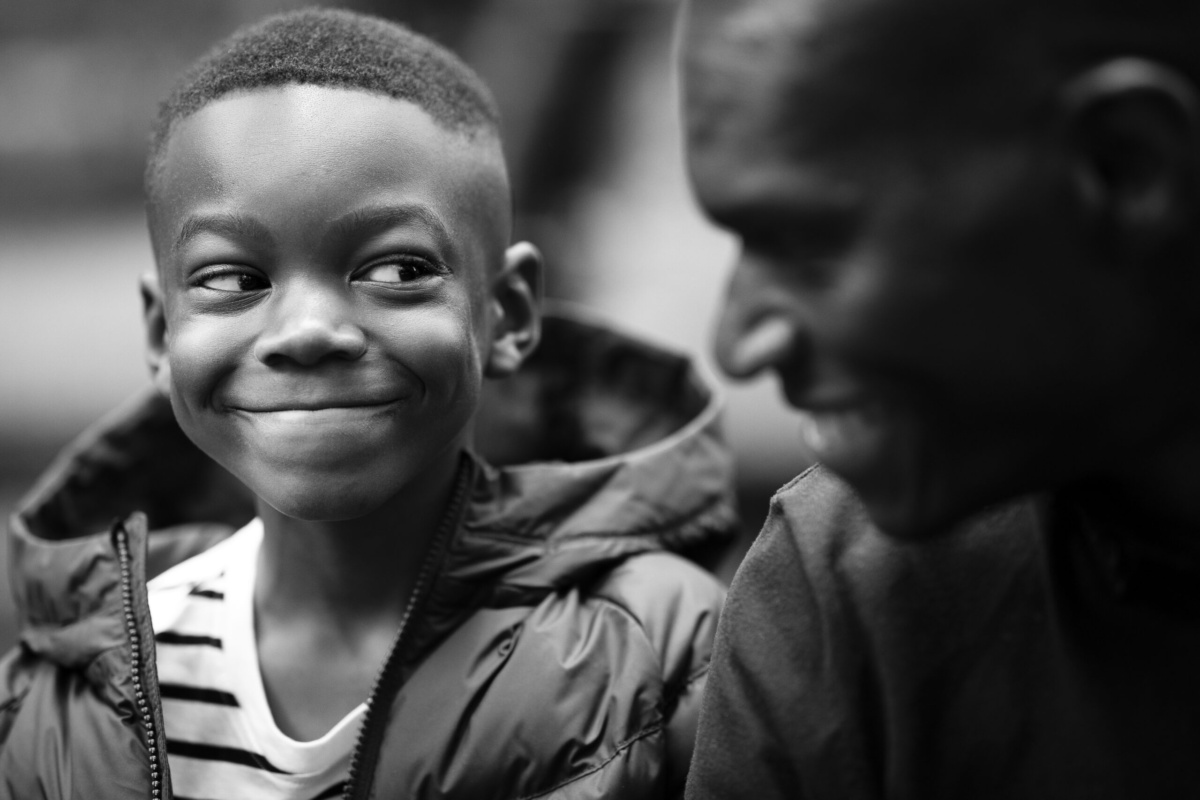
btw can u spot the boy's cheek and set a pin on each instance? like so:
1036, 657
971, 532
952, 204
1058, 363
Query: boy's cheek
444, 348
441, 346
196, 364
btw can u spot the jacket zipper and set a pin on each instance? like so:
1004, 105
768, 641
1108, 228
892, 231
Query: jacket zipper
140, 690
365, 756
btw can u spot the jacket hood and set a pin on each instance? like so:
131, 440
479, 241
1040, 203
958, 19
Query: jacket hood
601, 447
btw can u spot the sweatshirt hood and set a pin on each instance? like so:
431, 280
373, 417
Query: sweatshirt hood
602, 446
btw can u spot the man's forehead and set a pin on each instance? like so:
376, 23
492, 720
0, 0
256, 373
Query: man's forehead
729, 46
770, 24
752, 17
723, 37
837, 74
768, 46
759, 70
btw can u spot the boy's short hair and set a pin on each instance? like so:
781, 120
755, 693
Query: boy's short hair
330, 47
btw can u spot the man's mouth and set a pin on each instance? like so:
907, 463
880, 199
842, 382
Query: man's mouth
849, 438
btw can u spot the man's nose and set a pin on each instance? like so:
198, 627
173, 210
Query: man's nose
757, 328
309, 325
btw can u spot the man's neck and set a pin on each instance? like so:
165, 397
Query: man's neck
1151, 504
1163, 486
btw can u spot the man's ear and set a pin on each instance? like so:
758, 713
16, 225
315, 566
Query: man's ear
1132, 129
516, 299
154, 315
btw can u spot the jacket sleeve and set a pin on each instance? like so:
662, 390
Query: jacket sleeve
678, 605
681, 727
14, 681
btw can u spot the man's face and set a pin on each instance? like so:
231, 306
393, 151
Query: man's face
924, 304
323, 259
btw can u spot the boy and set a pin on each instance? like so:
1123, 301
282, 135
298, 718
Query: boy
330, 212
970, 257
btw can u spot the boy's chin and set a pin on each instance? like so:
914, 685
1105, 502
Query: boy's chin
315, 508
323, 501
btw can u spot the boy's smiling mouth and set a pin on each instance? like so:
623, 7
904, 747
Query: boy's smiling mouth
316, 411
320, 415
302, 399
314, 407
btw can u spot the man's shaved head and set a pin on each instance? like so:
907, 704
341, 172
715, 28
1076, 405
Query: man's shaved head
919, 66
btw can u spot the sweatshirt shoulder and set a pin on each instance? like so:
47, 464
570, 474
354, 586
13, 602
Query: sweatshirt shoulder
827, 522
822, 518
818, 498
819, 539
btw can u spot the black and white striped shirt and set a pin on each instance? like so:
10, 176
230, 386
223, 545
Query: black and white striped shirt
222, 742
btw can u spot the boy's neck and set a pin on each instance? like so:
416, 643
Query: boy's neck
354, 573
329, 597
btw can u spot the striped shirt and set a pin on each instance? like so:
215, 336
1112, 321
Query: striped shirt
222, 742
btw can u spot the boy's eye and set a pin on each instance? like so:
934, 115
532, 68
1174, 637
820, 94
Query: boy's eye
408, 270
233, 281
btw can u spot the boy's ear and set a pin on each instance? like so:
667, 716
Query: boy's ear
154, 316
1133, 128
516, 298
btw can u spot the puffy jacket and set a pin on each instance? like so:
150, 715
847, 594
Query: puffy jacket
557, 646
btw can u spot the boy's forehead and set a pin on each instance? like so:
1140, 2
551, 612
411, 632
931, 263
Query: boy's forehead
295, 137
331, 118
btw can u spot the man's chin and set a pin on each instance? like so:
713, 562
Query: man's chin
927, 516
907, 527
901, 501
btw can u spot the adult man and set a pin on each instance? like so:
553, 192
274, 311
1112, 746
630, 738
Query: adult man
969, 255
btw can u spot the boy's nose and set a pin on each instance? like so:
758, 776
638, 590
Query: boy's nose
309, 331
755, 330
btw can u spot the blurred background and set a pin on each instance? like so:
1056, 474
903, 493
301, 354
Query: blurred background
589, 96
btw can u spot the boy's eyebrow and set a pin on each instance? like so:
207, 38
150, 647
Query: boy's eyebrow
226, 223
383, 216
235, 225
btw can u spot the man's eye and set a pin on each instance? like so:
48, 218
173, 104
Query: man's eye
233, 281
408, 270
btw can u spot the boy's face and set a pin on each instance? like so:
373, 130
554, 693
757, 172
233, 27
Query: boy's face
327, 263
929, 309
